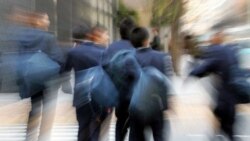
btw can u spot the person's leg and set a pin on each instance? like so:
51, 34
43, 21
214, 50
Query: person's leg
136, 130
157, 126
226, 117
95, 128
122, 122
34, 119
48, 112
97, 121
84, 117
227, 123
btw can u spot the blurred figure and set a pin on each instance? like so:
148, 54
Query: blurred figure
156, 43
100, 36
86, 54
219, 59
147, 57
44, 102
31, 40
121, 110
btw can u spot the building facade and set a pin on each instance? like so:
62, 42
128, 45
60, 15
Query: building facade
65, 14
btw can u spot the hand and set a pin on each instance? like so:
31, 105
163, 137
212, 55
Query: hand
67, 88
109, 110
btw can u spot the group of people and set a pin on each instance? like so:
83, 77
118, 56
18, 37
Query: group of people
217, 58
88, 53
35, 50
91, 48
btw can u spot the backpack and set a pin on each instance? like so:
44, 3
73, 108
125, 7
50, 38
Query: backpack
238, 82
30, 70
95, 84
123, 70
239, 77
149, 94
34, 70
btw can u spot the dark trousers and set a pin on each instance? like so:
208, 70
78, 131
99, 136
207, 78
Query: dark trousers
137, 127
122, 122
89, 123
225, 113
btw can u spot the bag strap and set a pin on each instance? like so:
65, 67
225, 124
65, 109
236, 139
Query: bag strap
18, 52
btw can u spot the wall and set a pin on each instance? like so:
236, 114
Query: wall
65, 14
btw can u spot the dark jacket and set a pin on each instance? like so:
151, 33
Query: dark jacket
32, 39
218, 59
147, 57
27, 39
161, 61
114, 48
83, 56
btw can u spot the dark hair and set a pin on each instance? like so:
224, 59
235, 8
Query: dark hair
138, 36
81, 31
126, 26
188, 37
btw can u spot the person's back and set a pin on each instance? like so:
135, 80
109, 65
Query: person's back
36, 39
159, 60
86, 54
147, 57
38, 53
121, 110
118, 46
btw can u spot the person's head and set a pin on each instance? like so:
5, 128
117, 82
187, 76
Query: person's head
217, 38
100, 35
126, 26
43, 21
82, 32
188, 37
33, 19
155, 31
139, 37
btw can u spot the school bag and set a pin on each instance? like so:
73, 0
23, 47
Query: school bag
149, 94
123, 70
95, 85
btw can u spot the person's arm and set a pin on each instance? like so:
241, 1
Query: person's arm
54, 51
205, 68
66, 76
